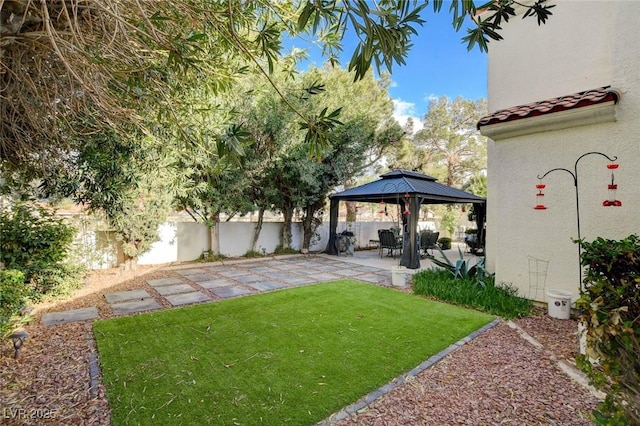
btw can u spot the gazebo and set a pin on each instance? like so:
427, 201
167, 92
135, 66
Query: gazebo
410, 190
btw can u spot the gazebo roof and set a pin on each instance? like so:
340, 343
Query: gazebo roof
392, 186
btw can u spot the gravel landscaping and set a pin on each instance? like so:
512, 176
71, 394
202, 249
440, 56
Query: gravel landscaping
498, 378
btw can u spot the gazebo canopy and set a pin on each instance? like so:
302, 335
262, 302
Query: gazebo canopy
392, 186
410, 189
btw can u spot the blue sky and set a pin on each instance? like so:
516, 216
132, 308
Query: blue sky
438, 65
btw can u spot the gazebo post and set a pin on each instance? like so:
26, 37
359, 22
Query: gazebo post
410, 255
480, 210
333, 226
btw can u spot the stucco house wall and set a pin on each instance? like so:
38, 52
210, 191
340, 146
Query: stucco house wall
585, 45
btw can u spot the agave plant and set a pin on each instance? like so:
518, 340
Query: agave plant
462, 268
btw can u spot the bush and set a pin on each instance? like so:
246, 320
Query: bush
283, 250
499, 300
56, 281
445, 243
13, 294
252, 254
32, 238
463, 269
610, 310
36, 242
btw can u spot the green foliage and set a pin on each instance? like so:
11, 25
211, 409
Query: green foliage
445, 243
136, 225
252, 254
207, 256
449, 147
158, 49
502, 300
32, 238
610, 310
462, 268
13, 296
55, 281
36, 242
285, 250
501, 10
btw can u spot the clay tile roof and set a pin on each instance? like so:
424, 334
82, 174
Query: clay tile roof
563, 103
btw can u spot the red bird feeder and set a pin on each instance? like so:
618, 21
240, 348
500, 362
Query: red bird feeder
539, 197
612, 188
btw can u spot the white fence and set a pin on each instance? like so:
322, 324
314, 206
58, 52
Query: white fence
186, 241
183, 241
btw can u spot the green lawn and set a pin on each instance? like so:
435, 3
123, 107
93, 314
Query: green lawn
286, 357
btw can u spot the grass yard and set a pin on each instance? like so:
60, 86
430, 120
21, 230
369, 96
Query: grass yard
293, 356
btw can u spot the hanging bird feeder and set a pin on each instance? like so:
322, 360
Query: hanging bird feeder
540, 197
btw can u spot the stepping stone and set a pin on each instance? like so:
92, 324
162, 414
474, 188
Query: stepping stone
201, 277
277, 263
299, 281
187, 272
83, 314
126, 295
174, 289
227, 292
347, 272
163, 281
263, 270
325, 277
253, 265
187, 298
215, 283
134, 306
369, 269
279, 275
234, 273
246, 279
219, 269
327, 268
267, 285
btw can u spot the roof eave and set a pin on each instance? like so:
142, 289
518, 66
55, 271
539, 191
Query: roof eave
603, 112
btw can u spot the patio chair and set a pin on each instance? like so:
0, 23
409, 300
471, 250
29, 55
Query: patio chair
388, 241
428, 241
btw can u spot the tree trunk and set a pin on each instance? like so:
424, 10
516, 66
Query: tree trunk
310, 222
351, 211
286, 236
213, 240
257, 229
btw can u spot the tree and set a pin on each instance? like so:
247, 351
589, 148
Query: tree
282, 162
111, 59
129, 180
450, 139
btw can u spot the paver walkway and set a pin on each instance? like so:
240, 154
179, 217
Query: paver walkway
197, 283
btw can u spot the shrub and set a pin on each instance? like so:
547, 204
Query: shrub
58, 280
285, 250
13, 294
610, 311
445, 243
208, 256
462, 269
36, 242
502, 300
252, 254
32, 238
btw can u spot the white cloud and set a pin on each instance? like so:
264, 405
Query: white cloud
431, 97
402, 111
